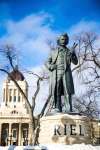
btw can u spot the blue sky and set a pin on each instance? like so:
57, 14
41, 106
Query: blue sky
65, 12
57, 16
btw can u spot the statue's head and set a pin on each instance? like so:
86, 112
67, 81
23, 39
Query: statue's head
63, 40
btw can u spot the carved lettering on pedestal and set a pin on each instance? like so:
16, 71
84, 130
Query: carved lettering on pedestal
56, 130
63, 130
72, 129
80, 128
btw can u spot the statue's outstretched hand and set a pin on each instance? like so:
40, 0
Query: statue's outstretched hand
75, 45
73, 48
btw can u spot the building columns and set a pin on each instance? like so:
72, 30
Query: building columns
10, 135
19, 135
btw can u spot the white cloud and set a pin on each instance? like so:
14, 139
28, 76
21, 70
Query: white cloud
30, 36
84, 26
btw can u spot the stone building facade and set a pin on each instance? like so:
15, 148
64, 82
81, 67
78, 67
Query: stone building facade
15, 125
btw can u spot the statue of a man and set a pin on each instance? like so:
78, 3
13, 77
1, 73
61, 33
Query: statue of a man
61, 81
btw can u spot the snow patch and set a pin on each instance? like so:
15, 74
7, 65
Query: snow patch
53, 147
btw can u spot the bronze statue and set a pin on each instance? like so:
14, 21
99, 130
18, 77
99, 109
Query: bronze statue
61, 81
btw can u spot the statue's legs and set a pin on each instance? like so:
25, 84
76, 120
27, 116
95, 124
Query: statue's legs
70, 101
59, 86
67, 96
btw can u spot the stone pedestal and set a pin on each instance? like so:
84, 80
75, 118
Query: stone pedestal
65, 129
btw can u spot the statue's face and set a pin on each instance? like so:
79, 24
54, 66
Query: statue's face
62, 41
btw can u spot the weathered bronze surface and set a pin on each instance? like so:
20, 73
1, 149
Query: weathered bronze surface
61, 80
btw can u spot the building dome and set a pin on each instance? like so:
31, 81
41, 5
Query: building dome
16, 74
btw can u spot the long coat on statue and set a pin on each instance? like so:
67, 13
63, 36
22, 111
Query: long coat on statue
68, 79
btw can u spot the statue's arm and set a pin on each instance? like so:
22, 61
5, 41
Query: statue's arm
74, 58
71, 57
48, 62
49, 65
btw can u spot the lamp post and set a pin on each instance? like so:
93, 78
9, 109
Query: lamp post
99, 132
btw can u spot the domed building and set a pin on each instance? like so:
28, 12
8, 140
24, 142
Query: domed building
14, 113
